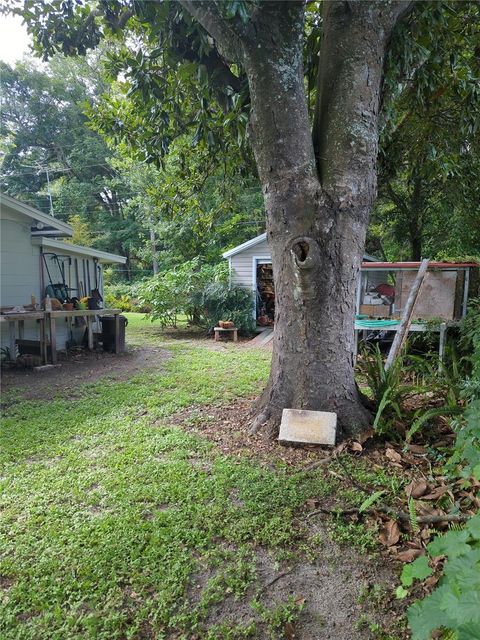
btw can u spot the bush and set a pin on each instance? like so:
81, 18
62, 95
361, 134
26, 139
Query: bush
219, 301
179, 291
124, 296
454, 605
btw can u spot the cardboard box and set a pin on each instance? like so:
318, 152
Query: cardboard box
375, 310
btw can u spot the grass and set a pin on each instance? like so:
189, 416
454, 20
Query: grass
118, 524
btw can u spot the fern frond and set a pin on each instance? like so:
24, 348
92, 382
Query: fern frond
413, 515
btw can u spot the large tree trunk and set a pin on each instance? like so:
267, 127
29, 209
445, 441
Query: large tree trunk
317, 208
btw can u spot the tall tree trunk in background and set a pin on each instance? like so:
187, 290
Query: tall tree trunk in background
153, 246
317, 202
415, 228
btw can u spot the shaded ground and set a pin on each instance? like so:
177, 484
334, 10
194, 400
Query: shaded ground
80, 367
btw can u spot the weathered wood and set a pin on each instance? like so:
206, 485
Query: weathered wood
402, 332
89, 333
219, 330
12, 333
53, 336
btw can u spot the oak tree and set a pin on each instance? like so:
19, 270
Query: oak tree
318, 184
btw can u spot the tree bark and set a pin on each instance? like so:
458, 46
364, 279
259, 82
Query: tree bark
317, 207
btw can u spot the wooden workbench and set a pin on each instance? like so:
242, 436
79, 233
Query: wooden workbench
16, 326
89, 315
47, 321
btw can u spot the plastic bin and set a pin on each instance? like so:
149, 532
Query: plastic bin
108, 333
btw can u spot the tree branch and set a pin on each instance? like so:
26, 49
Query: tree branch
221, 30
350, 74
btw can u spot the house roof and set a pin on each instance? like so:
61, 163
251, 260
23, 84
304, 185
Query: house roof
42, 223
261, 238
68, 248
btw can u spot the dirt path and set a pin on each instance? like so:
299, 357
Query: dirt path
81, 367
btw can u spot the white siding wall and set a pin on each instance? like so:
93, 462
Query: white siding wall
242, 264
20, 275
20, 260
19, 271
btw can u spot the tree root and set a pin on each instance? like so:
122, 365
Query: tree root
259, 422
397, 515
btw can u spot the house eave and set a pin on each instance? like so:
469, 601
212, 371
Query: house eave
42, 222
102, 256
246, 245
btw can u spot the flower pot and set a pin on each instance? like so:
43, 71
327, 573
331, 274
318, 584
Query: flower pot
68, 306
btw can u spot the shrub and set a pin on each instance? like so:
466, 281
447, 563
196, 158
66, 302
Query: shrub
219, 301
124, 296
454, 605
179, 291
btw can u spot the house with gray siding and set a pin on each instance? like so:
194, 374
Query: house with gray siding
30, 242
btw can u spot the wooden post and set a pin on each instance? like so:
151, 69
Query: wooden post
441, 344
13, 345
90, 333
43, 342
402, 332
53, 337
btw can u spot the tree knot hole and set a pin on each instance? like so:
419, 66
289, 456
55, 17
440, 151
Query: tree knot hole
305, 252
301, 250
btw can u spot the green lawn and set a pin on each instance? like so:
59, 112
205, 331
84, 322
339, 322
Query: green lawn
115, 523
110, 513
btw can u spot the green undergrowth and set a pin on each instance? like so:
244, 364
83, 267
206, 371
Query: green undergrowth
118, 524
357, 483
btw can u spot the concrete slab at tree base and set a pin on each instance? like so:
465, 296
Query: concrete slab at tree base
312, 427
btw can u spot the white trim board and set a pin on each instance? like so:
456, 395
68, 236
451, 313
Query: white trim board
63, 229
245, 245
68, 248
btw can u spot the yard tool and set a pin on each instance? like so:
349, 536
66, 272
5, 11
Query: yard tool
96, 292
77, 280
58, 290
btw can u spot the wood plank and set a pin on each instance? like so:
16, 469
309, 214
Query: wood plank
89, 333
406, 320
53, 336
12, 333
43, 342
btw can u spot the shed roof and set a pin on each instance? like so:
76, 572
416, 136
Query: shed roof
261, 238
68, 248
245, 245
42, 223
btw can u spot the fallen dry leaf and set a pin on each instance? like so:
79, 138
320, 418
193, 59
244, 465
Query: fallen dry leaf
393, 455
311, 504
366, 435
416, 489
416, 448
289, 631
356, 446
409, 555
436, 493
390, 534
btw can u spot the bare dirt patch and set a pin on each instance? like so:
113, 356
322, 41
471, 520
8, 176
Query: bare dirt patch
82, 367
226, 426
329, 589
